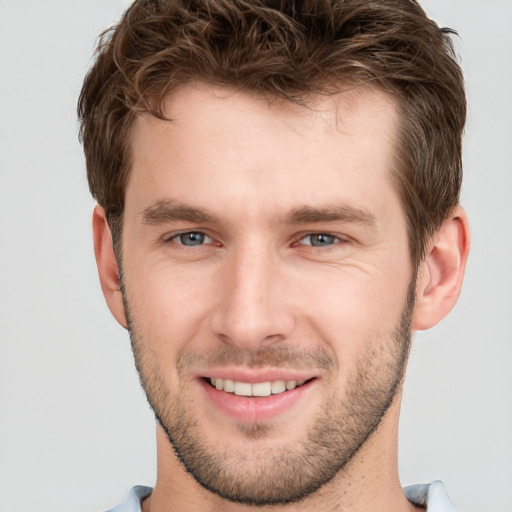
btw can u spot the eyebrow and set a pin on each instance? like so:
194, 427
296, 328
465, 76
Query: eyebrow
168, 211
336, 213
165, 211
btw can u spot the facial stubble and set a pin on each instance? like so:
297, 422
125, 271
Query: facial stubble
260, 475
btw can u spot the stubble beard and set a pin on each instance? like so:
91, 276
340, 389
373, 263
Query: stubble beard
261, 475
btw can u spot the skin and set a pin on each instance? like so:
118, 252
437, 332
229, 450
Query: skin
258, 178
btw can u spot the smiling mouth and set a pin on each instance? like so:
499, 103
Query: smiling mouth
258, 389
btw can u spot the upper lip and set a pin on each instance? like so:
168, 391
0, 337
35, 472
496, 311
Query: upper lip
253, 376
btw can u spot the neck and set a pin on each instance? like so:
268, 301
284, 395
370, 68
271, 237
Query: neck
368, 483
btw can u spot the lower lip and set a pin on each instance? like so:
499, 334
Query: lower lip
255, 409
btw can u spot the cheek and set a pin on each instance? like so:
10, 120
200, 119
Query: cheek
354, 307
169, 306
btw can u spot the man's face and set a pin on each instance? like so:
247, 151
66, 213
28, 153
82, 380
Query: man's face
265, 253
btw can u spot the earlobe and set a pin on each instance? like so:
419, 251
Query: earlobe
441, 273
106, 261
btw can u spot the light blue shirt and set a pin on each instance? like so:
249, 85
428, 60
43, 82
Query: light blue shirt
433, 496
132, 501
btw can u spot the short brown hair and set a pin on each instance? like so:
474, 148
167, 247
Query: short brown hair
291, 49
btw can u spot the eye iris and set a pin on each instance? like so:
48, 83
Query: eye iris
321, 240
192, 239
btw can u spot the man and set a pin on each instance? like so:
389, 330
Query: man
277, 187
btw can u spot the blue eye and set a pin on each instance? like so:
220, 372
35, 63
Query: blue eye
191, 238
320, 240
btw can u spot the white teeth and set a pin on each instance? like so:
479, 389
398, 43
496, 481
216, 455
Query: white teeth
278, 386
229, 386
258, 389
262, 389
291, 384
243, 389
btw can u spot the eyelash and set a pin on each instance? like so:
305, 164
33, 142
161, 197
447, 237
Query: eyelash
177, 235
335, 240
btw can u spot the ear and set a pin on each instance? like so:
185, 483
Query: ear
108, 269
441, 273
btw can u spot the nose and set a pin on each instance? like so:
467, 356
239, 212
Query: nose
253, 310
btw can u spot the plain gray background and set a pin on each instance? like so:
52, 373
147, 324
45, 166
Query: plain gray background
75, 430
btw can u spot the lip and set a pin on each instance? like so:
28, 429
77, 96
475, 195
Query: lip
253, 410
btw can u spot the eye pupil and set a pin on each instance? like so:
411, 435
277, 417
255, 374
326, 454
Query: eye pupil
322, 239
192, 238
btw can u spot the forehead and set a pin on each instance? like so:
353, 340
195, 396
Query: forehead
355, 110
273, 153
